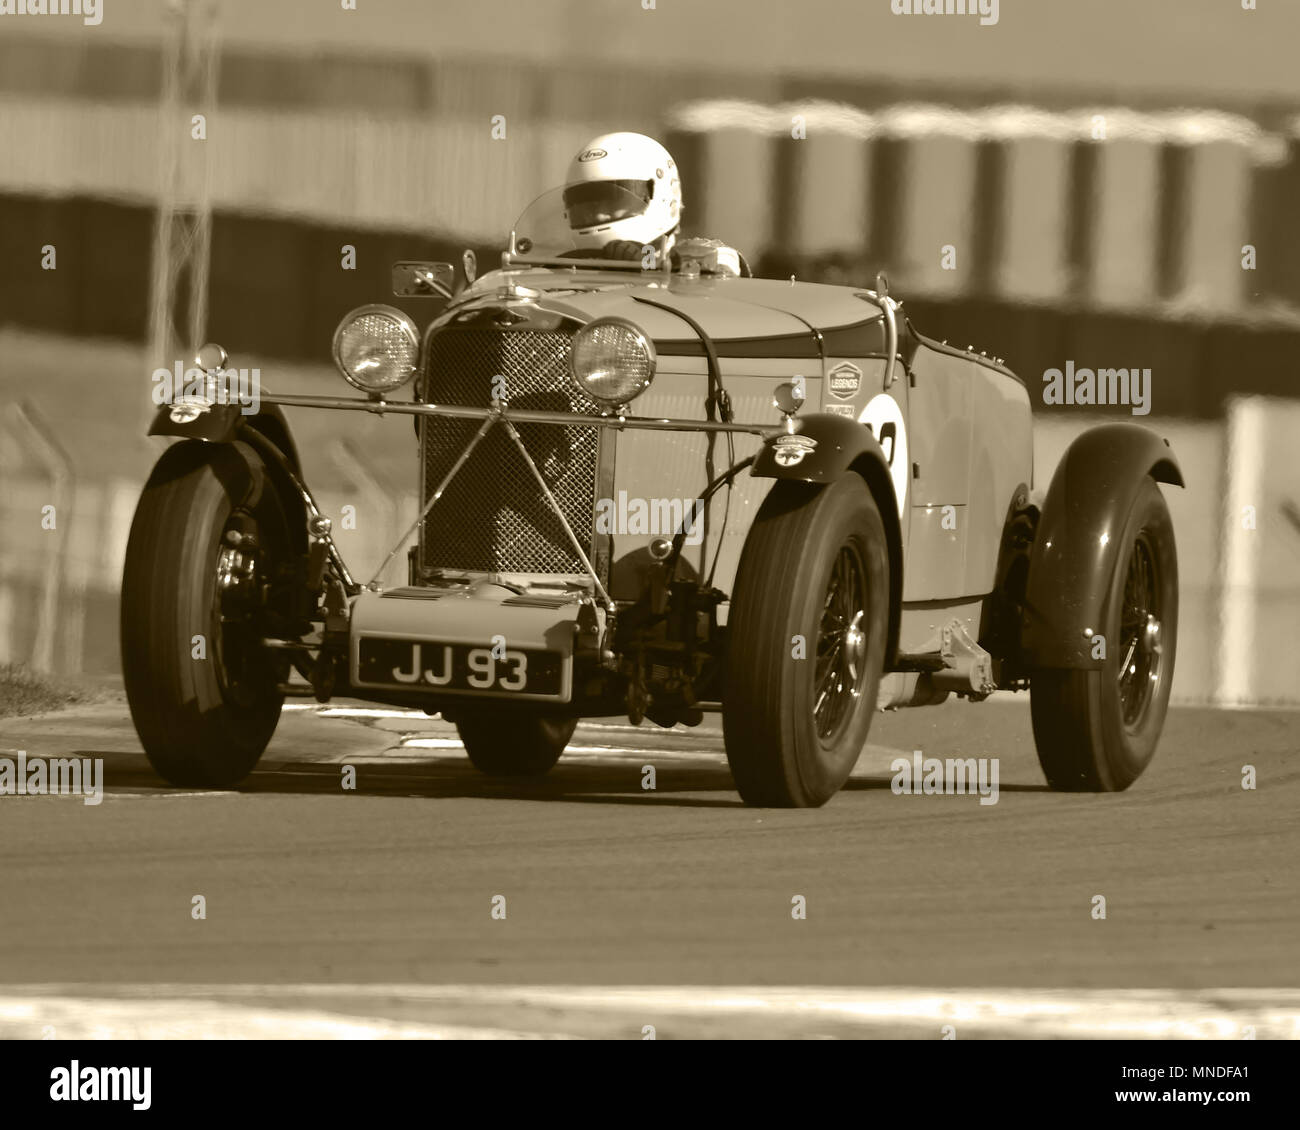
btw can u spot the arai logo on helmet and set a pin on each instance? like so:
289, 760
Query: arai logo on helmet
592, 155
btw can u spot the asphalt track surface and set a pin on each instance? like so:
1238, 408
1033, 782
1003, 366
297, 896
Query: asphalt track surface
608, 884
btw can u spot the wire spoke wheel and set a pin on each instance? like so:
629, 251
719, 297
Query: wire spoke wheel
1096, 726
1140, 634
198, 584
806, 642
841, 645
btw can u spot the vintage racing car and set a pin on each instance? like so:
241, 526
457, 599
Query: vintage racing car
659, 490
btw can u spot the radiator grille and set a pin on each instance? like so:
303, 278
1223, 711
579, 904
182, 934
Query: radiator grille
493, 517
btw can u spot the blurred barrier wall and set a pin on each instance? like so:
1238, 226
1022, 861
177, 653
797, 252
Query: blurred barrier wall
1260, 561
1162, 205
1106, 206
1105, 234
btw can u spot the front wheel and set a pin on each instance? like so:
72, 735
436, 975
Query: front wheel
1096, 730
202, 555
806, 642
509, 744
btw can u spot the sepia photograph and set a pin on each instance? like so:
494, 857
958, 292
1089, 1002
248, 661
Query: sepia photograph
691, 520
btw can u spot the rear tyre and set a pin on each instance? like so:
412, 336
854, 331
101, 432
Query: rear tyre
202, 690
815, 567
509, 744
1096, 730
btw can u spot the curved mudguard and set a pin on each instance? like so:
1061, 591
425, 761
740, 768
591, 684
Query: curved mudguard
820, 450
273, 453
1074, 551
223, 423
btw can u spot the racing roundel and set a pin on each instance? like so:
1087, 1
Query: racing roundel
885, 419
844, 381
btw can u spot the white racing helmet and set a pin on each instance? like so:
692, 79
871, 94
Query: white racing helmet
623, 186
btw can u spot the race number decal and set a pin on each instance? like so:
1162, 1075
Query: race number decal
885, 419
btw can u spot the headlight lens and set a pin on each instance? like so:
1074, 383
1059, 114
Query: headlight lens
376, 348
612, 360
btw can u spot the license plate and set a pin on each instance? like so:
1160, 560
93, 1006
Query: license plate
456, 667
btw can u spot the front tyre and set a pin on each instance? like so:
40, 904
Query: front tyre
203, 553
1096, 730
806, 642
513, 744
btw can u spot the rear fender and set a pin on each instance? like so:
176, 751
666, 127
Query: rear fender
1075, 546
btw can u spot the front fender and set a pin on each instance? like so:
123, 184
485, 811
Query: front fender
1075, 546
841, 446
223, 423
262, 442
820, 449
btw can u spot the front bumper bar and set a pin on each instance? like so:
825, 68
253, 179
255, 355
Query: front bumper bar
381, 407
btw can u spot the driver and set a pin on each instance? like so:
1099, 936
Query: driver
623, 198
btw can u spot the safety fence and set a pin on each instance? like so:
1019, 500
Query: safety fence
65, 539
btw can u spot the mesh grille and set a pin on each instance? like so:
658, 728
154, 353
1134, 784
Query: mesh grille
493, 517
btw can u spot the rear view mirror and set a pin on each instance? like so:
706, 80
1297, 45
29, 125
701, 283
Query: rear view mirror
423, 280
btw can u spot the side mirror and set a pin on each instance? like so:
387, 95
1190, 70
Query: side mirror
423, 280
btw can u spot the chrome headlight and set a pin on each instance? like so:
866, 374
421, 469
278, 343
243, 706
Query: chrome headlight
376, 348
612, 360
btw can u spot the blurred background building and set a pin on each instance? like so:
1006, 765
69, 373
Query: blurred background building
1113, 183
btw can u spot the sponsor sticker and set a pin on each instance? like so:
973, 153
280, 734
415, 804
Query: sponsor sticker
189, 408
844, 381
592, 155
842, 410
792, 449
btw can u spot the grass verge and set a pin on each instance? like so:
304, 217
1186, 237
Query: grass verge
23, 691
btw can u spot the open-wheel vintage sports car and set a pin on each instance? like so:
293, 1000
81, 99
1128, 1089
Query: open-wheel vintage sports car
659, 489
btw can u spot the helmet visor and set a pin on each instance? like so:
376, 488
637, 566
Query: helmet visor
594, 203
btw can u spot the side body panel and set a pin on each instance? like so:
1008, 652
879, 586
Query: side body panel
971, 448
